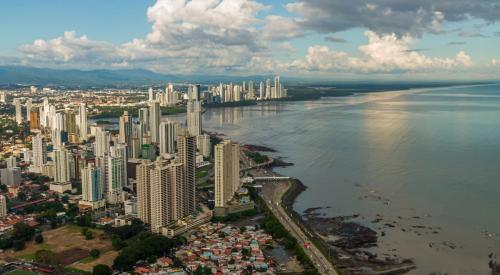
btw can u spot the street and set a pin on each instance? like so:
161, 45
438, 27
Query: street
272, 194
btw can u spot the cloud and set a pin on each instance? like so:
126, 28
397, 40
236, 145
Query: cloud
69, 48
469, 34
335, 39
382, 54
495, 62
456, 43
232, 36
389, 16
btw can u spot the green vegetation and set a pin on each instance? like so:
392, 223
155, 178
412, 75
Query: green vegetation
144, 246
231, 104
102, 269
95, 253
20, 272
256, 157
46, 257
235, 216
201, 173
115, 111
296, 93
9, 128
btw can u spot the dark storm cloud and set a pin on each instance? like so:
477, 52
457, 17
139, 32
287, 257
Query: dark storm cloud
335, 39
387, 16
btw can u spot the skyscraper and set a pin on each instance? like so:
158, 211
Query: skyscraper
101, 144
144, 191
168, 136
227, 171
34, 121
82, 123
154, 120
39, 152
268, 89
19, 114
186, 152
62, 166
151, 96
3, 206
261, 90
117, 173
125, 131
204, 145
28, 109
167, 203
144, 119
194, 122
91, 184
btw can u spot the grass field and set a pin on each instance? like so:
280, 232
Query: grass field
67, 238
20, 272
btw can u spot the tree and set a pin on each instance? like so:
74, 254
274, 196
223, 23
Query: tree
102, 269
22, 231
45, 257
18, 245
39, 238
95, 253
89, 235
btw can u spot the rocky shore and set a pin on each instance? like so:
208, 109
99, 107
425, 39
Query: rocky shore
341, 238
346, 242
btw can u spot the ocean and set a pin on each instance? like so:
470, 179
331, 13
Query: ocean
425, 160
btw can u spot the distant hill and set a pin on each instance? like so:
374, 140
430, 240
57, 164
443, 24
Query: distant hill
15, 75
22, 76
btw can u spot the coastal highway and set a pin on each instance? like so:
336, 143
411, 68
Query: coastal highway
272, 194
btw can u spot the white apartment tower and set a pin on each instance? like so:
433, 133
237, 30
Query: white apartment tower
154, 120
19, 114
82, 121
227, 171
168, 136
62, 166
194, 122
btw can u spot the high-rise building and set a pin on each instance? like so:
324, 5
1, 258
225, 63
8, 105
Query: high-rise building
19, 114
11, 176
251, 92
204, 145
92, 192
268, 89
168, 136
3, 206
82, 121
125, 131
28, 109
227, 171
151, 95
34, 120
3, 97
167, 202
62, 166
70, 121
117, 173
11, 162
194, 122
144, 191
261, 90
102, 141
154, 120
186, 152
144, 119
39, 152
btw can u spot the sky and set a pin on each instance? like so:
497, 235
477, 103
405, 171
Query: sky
331, 39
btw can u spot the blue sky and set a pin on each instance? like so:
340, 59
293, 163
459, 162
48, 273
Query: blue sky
325, 38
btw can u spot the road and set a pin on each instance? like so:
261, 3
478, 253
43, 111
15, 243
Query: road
272, 194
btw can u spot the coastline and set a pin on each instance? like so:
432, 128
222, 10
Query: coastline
349, 252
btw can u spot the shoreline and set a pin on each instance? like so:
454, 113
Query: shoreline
348, 252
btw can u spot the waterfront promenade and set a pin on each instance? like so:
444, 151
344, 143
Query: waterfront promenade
272, 193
